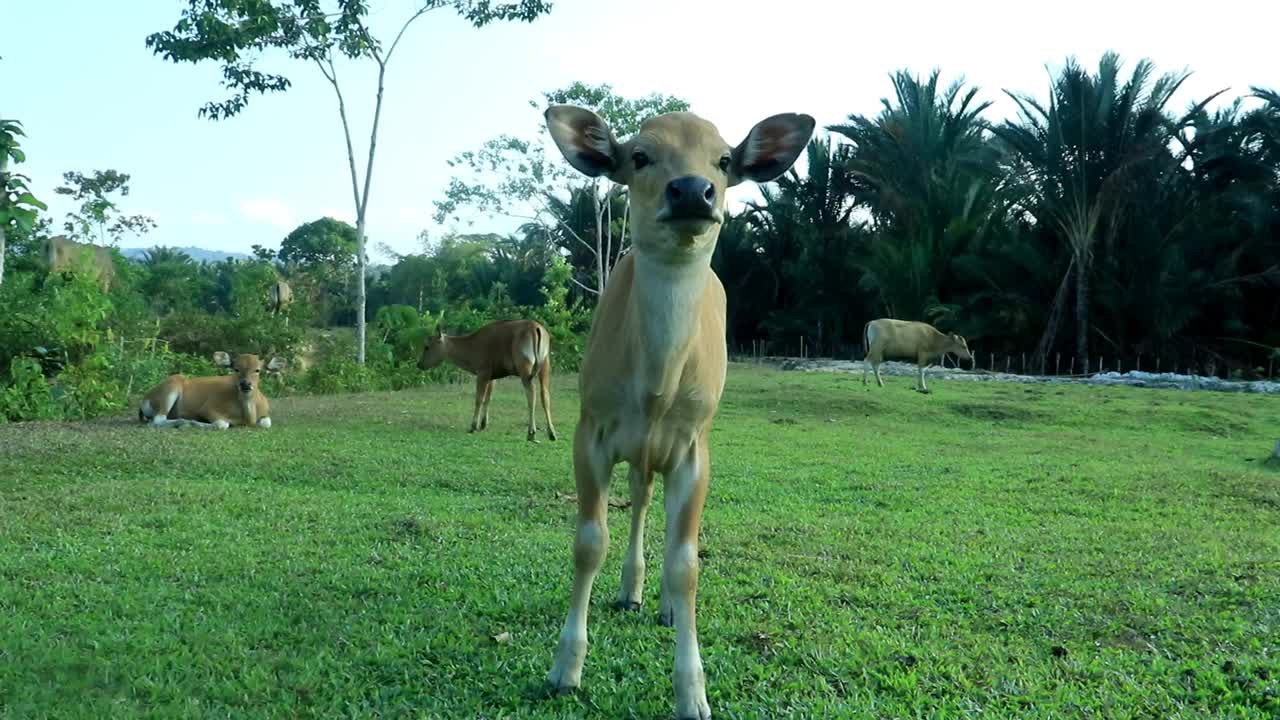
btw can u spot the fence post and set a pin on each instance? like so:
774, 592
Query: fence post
1057, 363
993, 362
1007, 359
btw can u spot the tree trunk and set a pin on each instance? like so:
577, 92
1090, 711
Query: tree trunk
1050, 336
608, 239
4, 183
600, 260
1082, 310
360, 286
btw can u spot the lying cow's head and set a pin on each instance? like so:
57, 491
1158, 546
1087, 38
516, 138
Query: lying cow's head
958, 346
248, 369
677, 168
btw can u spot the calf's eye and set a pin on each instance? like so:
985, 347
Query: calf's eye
640, 159
724, 163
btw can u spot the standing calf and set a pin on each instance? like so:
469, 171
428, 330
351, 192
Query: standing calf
212, 402
655, 362
501, 349
908, 340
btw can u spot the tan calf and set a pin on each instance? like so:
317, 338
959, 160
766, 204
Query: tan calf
212, 402
655, 362
908, 340
512, 347
64, 254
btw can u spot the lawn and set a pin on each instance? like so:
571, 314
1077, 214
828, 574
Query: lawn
991, 550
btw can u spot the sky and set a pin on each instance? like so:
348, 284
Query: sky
91, 96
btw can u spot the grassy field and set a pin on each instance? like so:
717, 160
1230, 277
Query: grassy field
996, 551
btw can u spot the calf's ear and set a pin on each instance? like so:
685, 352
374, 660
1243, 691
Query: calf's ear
221, 359
585, 141
771, 147
277, 364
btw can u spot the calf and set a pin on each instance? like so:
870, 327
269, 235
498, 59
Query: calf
212, 402
908, 340
655, 362
501, 349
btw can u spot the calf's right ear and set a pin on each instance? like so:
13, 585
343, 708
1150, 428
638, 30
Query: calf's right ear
221, 359
585, 140
276, 365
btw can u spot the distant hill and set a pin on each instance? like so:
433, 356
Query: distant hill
197, 254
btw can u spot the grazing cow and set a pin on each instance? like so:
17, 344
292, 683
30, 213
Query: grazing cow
279, 297
908, 340
212, 402
66, 255
497, 350
655, 363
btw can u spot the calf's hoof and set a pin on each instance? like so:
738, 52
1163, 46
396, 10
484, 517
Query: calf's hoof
627, 606
551, 434
666, 618
532, 436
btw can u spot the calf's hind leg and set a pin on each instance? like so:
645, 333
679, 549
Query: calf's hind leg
631, 594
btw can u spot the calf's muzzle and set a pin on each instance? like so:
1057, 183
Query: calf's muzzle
691, 197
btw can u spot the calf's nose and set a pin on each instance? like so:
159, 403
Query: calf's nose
691, 196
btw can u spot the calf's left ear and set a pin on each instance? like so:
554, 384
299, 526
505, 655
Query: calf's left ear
277, 364
221, 359
771, 147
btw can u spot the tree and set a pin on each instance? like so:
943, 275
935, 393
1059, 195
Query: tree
235, 34
173, 281
1071, 162
926, 171
324, 245
18, 207
517, 178
99, 217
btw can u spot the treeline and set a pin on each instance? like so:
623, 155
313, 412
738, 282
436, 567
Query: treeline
70, 350
1099, 222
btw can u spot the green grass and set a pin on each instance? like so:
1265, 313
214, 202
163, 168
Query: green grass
996, 551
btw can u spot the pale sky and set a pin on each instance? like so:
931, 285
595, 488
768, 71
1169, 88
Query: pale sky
91, 96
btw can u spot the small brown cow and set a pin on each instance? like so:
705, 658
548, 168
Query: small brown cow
214, 403
908, 340
512, 347
66, 255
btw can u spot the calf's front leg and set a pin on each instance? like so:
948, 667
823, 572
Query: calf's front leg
591, 471
686, 491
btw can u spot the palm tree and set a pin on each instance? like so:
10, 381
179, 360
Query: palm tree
925, 169
1071, 164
